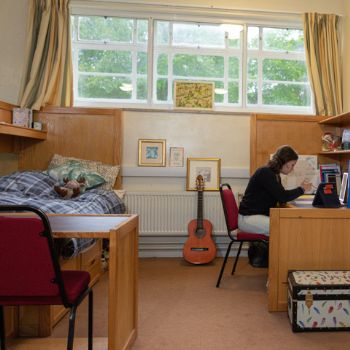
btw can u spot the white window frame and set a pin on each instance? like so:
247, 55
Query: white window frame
190, 14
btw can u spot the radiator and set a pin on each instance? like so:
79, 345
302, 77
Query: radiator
164, 216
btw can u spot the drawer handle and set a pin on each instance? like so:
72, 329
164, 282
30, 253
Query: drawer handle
92, 262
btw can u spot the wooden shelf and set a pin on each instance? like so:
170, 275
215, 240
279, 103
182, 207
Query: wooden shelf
334, 153
340, 119
15, 130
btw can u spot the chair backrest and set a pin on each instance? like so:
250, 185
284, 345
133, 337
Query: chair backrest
230, 207
28, 263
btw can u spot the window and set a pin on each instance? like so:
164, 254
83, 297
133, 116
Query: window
252, 67
110, 58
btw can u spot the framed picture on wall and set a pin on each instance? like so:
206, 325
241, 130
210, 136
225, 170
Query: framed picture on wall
193, 94
209, 168
152, 152
176, 158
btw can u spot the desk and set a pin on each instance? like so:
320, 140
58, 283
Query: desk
305, 238
122, 232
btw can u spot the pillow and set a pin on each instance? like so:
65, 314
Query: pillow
60, 160
109, 173
74, 170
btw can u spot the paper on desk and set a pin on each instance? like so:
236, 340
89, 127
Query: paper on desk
305, 169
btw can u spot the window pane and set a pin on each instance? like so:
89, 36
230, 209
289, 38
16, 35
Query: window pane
233, 92
219, 97
103, 87
162, 33
105, 61
233, 34
198, 66
141, 89
162, 89
142, 62
253, 38
285, 70
286, 94
233, 68
252, 68
106, 29
283, 39
193, 35
252, 93
142, 31
162, 64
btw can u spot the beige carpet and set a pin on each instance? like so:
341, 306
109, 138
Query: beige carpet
180, 309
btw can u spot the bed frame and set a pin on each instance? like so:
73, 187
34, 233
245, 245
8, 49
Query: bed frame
86, 133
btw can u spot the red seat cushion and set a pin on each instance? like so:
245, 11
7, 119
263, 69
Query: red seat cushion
75, 283
247, 236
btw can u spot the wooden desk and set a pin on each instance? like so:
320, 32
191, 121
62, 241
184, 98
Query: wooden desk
122, 232
305, 238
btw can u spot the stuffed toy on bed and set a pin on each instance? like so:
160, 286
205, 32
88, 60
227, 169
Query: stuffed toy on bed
71, 188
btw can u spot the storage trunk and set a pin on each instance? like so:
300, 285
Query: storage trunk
319, 300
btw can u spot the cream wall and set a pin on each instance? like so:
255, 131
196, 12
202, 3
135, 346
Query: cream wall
202, 135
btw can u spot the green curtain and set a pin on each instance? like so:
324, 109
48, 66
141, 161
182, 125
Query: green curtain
322, 37
48, 73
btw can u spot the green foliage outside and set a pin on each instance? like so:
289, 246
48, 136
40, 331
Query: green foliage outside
102, 72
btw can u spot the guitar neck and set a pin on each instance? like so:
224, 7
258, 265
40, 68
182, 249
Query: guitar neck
200, 210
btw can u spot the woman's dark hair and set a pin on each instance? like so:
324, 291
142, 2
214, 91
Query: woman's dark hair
283, 155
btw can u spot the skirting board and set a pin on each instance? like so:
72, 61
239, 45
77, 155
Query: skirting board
171, 246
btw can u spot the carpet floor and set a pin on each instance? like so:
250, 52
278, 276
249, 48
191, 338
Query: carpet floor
180, 309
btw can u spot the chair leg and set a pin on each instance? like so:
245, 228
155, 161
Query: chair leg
2, 328
223, 264
90, 330
72, 315
236, 260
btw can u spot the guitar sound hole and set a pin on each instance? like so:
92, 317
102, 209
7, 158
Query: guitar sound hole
200, 232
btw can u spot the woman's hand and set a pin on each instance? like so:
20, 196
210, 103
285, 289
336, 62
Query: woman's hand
306, 185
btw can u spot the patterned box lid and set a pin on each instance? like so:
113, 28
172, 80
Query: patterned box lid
318, 278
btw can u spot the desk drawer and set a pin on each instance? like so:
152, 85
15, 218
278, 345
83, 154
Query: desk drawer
91, 261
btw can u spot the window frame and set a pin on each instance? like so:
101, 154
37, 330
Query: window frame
200, 15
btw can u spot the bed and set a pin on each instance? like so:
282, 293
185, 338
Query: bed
89, 134
36, 188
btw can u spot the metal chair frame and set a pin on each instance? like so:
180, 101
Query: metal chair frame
58, 280
232, 237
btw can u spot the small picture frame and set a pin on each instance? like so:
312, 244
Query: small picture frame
193, 95
152, 152
176, 158
209, 168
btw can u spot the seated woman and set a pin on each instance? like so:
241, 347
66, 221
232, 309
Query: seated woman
265, 191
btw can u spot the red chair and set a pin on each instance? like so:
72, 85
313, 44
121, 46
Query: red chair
29, 270
231, 217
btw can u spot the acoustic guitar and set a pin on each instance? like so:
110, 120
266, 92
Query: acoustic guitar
199, 247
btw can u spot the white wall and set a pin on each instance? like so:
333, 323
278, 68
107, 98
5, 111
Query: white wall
202, 135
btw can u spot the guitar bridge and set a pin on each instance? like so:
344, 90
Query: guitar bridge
199, 249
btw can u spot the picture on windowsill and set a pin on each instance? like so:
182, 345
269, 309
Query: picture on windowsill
193, 95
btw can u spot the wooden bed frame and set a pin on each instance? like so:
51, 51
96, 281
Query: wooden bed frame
86, 133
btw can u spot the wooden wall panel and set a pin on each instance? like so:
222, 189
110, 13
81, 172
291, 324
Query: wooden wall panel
268, 132
86, 133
